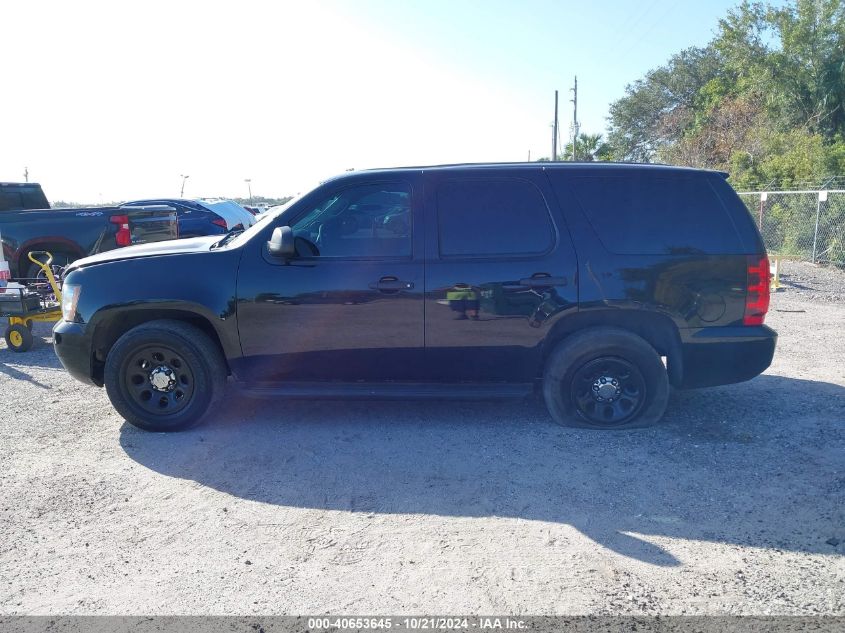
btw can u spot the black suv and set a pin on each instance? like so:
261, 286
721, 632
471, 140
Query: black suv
601, 284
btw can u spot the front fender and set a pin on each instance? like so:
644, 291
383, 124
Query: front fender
117, 295
107, 324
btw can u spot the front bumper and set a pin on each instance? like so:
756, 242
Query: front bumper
73, 347
725, 355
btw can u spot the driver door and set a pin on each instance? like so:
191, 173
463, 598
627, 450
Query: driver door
349, 306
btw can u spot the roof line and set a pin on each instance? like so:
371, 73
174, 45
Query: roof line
538, 164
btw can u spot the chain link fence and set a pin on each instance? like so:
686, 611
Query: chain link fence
807, 225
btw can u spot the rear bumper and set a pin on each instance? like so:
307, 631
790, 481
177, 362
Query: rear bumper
725, 355
73, 347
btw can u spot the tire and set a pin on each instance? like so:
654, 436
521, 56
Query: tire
164, 375
60, 261
18, 338
605, 378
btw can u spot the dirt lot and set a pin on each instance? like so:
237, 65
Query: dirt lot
735, 504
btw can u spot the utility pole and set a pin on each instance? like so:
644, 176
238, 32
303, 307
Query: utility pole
26, 174
575, 120
554, 132
248, 182
182, 192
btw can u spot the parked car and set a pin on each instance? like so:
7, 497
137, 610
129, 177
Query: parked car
599, 284
203, 217
27, 224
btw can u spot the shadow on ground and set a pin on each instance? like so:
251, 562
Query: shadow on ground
16, 374
15, 364
760, 464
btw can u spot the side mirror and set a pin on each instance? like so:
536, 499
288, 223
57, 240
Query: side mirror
281, 243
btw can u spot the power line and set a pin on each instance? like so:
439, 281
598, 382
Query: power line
627, 29
645, 33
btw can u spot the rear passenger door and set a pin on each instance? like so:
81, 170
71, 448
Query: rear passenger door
500, 268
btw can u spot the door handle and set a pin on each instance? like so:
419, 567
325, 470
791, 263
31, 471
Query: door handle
542, 280
391, 284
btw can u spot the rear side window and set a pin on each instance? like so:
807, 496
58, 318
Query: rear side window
10, 201
17, 198
33, 198
648, 214
492, 216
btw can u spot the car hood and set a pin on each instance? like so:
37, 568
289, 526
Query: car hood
153, 249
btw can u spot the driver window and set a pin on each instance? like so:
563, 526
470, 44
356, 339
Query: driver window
363, 221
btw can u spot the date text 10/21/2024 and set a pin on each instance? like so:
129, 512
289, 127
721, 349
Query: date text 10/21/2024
433, 623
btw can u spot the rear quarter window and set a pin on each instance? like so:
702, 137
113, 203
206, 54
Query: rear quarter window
648, 214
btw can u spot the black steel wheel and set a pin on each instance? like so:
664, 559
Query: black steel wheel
164, 375
158, 380
608, 391
605, 378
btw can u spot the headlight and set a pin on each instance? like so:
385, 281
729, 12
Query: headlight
70, 298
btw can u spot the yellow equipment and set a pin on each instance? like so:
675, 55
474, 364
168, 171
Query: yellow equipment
28, 307
776, 274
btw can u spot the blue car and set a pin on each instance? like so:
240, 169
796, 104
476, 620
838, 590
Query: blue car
203, 217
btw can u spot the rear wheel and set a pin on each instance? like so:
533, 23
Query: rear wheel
18, 338
60, 262
164, 375
605, 378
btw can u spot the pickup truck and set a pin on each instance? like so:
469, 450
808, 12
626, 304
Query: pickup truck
27, 223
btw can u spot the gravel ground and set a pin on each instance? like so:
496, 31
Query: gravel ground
734, 505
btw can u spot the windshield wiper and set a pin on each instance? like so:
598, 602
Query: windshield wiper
228, 237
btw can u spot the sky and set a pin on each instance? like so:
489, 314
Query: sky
111, 101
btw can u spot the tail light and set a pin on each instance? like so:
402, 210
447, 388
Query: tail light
758, 293
123, 237
220, 222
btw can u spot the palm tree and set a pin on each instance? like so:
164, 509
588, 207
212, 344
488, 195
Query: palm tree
590, 147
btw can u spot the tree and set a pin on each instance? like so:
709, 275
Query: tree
589, 148
729, 127
657, 109
793, 56
765, 99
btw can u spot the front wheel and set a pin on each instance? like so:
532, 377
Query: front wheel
605, 378
164, 375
